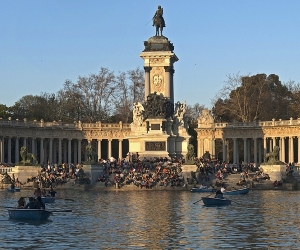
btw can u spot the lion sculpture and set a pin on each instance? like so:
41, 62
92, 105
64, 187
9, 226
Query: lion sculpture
27, 158
272, 157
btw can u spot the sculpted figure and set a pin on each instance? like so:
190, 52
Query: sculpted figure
180, 119
159, 21
190, 154
273, 157
138, 116
90, 153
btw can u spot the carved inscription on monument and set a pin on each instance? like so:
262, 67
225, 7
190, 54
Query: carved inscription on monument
155, 145
155, 126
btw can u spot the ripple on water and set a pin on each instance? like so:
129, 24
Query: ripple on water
158, 220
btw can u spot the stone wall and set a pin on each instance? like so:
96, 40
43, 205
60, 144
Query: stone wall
25, 172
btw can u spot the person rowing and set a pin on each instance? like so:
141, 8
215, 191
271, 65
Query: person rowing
219, 194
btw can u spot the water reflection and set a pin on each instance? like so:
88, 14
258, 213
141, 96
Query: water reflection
158, 220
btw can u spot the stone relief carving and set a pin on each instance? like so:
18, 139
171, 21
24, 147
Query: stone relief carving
205, 117
157, 60
155, 146
157, 80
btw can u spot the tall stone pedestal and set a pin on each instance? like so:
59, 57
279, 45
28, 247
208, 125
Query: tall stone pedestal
274, 171
156, 130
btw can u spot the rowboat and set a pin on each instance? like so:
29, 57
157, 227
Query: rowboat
29, 214
48, 199
203, 190
208, 201
15, 189
237, 191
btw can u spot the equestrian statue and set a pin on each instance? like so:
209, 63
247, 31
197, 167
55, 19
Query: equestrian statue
158, 21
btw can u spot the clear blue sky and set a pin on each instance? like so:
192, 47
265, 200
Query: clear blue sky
44, 43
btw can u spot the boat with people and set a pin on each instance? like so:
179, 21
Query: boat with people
29, 214
244, 190
209, 201
13, 189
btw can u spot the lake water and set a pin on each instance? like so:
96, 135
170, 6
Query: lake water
157, 220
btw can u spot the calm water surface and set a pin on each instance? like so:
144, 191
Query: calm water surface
157, 220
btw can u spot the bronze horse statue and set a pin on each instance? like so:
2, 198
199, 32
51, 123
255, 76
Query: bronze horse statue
158, 21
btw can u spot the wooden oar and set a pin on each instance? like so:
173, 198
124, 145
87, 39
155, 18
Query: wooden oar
66, 199
58, 211
201, 199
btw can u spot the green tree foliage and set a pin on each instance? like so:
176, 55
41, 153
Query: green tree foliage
193, 112
4, 111
36, 107
251, 98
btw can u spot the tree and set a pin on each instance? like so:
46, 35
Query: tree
36, 107
71, 103
130, 89
4, 111
193, 113
137, 85
251, 98
98, 91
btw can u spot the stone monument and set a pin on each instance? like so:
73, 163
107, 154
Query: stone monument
272, 166
156, 129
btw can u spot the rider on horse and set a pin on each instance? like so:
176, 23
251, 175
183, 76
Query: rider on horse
158, 17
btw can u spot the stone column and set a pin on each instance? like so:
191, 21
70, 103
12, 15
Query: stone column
200, 147
54, 151
109, 148
213, 152
172, 85
50, 150
147, 81
42, 151
259, 151
99, 149
65, 151
69, 151
291, 149
283, 149
59, 151
168, 71
245, 151
25, 142
265, 146
9, 150
274, 142
17, 150
79, 151
75, 147
33, 146
234, 150
255, 150
298, 149
120, 148
2, 150
224, 149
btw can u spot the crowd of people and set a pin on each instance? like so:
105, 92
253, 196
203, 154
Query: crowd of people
51, 176
143, 173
